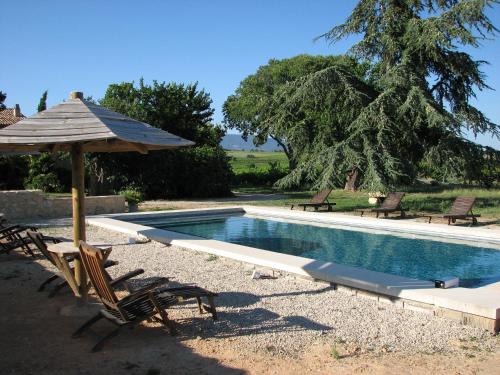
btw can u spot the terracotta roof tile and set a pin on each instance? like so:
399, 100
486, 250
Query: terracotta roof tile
7, 117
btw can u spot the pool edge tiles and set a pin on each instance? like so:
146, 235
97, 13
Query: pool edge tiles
479, 306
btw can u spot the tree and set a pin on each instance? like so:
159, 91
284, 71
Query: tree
3, 96
42, 105
417, 101
255, 99
183, 110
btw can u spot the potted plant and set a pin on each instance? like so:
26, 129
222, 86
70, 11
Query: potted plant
133, 198
375, 197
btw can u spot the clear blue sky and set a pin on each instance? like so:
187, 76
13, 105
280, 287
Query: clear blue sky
63, 46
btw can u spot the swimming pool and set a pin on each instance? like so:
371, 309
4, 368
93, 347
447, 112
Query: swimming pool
416, 258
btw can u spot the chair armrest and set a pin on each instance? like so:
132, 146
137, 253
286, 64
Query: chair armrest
54, 239
153, 285
125, 277
110, 263
144, 292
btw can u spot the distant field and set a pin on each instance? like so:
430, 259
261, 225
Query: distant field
247, 161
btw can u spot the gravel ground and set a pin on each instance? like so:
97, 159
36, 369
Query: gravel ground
285, 315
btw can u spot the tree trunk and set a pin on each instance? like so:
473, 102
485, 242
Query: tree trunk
352, 180
292, 164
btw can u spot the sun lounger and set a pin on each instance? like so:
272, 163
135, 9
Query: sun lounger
147, 303
392, 203
461, 209
14, 237
319, 200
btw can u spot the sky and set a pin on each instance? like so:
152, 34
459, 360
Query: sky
64, 46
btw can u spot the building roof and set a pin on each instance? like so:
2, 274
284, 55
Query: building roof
96, 128
8, 117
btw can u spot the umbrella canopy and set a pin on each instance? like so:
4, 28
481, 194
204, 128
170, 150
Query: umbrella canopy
79, 126
97, 129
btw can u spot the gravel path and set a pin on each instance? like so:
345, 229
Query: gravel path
286, 315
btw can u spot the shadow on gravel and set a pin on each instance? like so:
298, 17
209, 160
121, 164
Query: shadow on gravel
242, 299
245, 322
36, 339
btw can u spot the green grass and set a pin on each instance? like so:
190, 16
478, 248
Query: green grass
487, 201
248, 161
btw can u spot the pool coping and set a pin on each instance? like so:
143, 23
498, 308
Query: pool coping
476, 306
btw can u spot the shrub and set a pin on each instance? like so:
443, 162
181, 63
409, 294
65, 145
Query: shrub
48, 182
132, 195
266, 177
202, 171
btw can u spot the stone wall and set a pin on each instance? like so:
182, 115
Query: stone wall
32, 204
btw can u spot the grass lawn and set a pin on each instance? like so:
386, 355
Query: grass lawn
487, 202
247, 161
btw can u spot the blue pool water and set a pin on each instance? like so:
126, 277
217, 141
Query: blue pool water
409, 257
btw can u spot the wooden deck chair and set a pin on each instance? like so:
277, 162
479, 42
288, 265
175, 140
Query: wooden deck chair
392, 203
147, 303
12, 238
319, 200
40, 242
461, 209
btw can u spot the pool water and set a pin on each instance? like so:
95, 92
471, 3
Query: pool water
414, 258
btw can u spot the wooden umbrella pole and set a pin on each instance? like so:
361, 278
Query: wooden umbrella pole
78, 193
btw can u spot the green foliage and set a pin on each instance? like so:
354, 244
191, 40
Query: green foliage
49, 172
3, 96
42, 105
13, 171
132, 195
201, 171
260, 177
241, 160
412, 106
48, 182
255, 101
257, 168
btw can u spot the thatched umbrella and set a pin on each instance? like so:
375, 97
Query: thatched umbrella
79, 126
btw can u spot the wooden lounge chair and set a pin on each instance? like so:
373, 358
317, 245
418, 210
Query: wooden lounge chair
40, 242
391, 203
147, 303
13, 238
319, 200
461, 209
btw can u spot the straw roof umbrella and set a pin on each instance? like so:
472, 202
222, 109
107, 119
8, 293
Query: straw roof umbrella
79, 126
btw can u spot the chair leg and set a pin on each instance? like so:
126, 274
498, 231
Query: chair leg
48, 281
87, 325
198, 299
163, 314
57, 288
97, 347
211, 307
